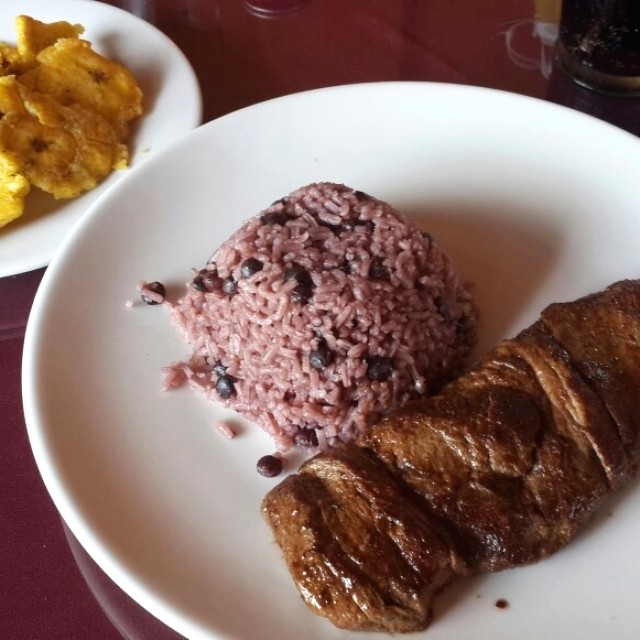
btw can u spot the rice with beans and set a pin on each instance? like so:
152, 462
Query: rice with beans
321, 314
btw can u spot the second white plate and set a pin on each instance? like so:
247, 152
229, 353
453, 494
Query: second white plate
172, 106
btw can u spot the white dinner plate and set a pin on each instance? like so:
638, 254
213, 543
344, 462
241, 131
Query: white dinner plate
172, 105
535, 202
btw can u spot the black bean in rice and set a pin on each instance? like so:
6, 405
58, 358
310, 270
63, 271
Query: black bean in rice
333, 310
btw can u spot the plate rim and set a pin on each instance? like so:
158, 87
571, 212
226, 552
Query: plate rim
80, 528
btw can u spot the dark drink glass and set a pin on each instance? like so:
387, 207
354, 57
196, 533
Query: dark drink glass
599, 44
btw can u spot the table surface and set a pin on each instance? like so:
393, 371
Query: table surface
49, 587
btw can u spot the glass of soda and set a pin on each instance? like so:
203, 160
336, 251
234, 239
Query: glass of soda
599, 44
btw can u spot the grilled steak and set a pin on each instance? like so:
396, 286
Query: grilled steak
500, 469
361, 552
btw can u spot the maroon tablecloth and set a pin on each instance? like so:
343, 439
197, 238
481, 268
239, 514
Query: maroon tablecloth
49, 588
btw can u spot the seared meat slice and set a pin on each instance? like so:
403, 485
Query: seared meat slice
600, 334
498, 458
360, 551
576, 406
500, 469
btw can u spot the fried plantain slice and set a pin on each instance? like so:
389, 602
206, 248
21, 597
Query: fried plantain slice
33, 36
10, 97
14, 188
62, 150
10, 59
70, 71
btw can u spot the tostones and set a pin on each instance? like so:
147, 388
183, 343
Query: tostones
14, 188
63, 150
10, 59
64, 114
33, 36
10, 97
70, 71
